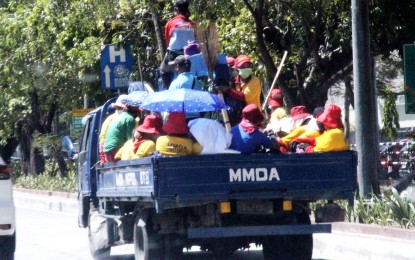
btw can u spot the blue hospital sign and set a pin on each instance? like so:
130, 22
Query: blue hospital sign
116, 66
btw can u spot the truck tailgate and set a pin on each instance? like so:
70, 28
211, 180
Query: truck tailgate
127, 179
307, 176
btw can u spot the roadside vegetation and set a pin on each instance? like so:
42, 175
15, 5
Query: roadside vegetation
47, 180
388, 209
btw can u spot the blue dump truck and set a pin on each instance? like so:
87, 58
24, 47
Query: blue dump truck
220, 202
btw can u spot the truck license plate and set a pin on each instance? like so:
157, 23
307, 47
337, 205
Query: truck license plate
254, 207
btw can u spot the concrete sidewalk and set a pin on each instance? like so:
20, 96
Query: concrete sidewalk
47, 200
347, 240
362, 241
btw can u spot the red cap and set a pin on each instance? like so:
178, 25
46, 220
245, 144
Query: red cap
240, 60
275, 99
298, 112
253, 114
152, 125
176, 124
331, 117
230, 61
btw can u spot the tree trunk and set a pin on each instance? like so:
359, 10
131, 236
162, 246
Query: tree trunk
7, 151
62, 165
158, 30
25, 142
347, 81
37, 161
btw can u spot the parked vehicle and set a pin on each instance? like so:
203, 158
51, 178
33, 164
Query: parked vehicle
397, 159
7, 214
219, 202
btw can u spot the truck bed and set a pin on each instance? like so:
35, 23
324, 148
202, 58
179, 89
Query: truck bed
181, 181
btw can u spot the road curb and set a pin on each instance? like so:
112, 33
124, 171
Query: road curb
374, 230
68, 195
47, 200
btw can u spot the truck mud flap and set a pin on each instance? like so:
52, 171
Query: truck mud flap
258, 231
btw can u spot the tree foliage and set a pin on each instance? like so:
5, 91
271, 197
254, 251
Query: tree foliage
391, 116
50, 49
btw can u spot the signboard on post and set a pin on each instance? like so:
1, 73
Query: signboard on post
116, 67
77, 115
409, 77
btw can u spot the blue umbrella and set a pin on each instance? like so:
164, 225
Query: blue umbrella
183, 100
136, 98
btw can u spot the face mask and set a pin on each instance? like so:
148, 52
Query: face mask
245, 73
234, 73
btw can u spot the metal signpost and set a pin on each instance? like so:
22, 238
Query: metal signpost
116, 67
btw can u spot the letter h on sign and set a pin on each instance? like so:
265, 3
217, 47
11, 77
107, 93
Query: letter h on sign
116, 67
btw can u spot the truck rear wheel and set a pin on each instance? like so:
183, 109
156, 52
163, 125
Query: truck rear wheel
224, 248
147, 244
298, 247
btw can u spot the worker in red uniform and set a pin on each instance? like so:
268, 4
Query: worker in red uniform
178, 31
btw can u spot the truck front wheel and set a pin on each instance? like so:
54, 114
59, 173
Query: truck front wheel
148, 244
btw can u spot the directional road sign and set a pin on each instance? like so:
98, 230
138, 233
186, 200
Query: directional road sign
116, 66
409, 77
77, 115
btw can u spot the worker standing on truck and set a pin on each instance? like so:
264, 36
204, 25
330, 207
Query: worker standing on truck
178, 31
176, 142
332, 139
235, 106
119, 107
247, 137
119, 131
247, 86
185, 79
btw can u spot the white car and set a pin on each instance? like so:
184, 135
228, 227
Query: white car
7, 214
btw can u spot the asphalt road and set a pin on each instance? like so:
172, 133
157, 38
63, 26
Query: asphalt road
45, 234
47, 229
50, 235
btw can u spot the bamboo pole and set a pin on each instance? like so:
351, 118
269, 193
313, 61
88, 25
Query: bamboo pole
274, 82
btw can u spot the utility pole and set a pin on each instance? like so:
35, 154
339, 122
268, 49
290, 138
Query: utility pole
365, 101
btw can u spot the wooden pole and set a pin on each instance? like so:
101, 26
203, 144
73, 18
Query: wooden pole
275, 80
225, 115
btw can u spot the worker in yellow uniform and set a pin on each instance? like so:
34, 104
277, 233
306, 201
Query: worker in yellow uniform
176, 140
332, 139
143, 142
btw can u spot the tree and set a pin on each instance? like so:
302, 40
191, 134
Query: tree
391, 116
45, 57
49, 49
